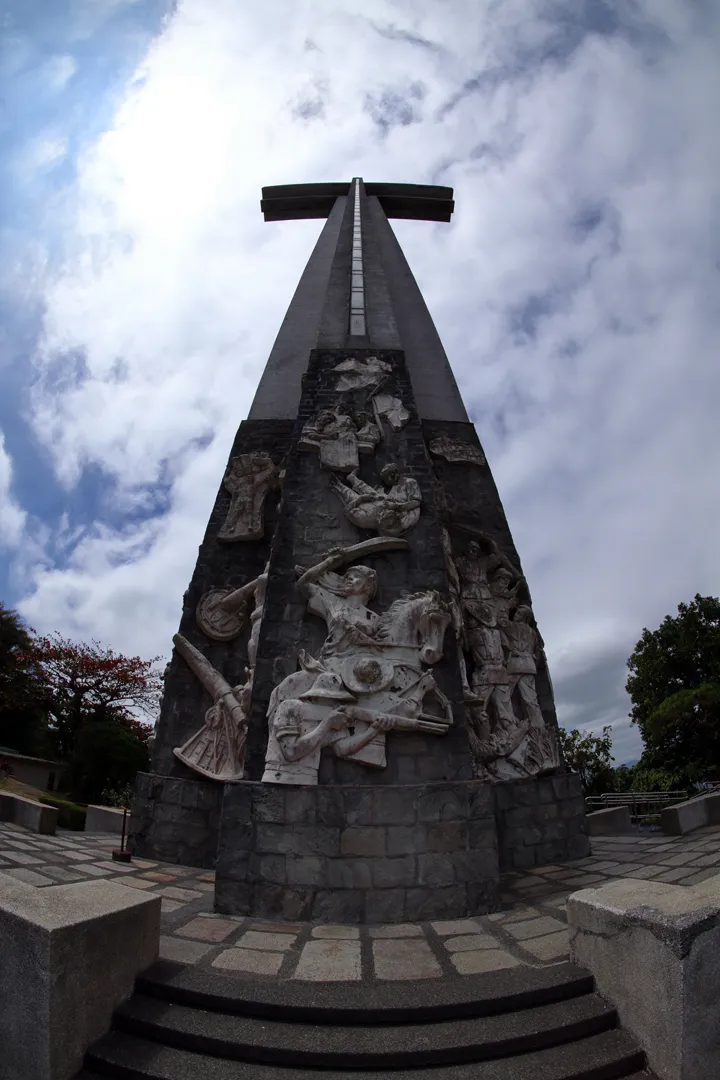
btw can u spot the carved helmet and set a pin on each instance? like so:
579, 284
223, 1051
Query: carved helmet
327, 687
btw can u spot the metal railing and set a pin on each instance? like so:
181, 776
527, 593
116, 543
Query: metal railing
644, 806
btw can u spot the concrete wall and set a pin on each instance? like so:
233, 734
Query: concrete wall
70, 955
654, 950
105, 819
175, 820
28, 813
615, 821
693, 814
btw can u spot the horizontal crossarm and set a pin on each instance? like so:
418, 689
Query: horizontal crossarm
422, 202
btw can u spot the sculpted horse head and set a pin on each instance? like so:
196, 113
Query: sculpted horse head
419, 621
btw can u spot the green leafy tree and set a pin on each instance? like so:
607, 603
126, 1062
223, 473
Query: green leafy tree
590, 756
105, 756
674, 686
24, 695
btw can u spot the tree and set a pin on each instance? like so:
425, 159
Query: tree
105, 756
674, 686
91, 684
590, 756
23, 693
683, 734
682, 654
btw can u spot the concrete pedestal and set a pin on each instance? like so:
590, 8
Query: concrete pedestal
654, 950
68, 957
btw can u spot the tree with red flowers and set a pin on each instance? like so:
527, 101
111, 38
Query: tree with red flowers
90, 683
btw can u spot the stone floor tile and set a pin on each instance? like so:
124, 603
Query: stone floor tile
144, 864
340, 933
153, 875
255, 939
477, 963
469, 942
680, 859
18, 845
711, 858
94, 871
181, 950
519, 915
550, 947
62, 875
456, 926
645, 873
533, 928
166, 906
207, 929
249, 960
277, 928
701, 875
396, 930
404, 959
20, 858
203, 886
179, 894
674, 874
135, 882
210, 876
75, 856
120, 868
544, 869
29, 877
330, 961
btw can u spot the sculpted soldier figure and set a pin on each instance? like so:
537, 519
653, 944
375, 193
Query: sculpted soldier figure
301, 728
390, 512
337, 439
490, 680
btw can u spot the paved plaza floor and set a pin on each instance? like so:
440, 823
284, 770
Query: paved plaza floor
531, 931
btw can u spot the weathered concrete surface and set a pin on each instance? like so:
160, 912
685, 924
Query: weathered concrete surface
105, 819
614, 821
694, 814
654, 949
69, 956
28, 813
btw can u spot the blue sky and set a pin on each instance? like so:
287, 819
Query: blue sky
576, 290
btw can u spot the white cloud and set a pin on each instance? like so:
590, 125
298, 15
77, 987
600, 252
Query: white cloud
39, 154
586, 354
12, 516
59, 70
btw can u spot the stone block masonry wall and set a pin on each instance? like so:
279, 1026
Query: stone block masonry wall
540, 821
358, 854
175, 820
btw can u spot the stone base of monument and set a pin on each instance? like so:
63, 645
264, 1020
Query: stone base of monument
68, 957
364, 854
384, 855
654, 951
357, 854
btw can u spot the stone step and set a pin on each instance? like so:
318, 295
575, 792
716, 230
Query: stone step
364, 1046
356, 1003
610, 1055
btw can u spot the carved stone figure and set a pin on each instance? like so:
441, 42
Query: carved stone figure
474, 569
527, 745
248, 479
301, 727
454, 451
391, 409
358, 374
391, 512
376, 659
504, 586
217, 750
490, 680
334, 434
221, 613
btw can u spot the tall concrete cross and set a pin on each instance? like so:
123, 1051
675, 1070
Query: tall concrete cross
358, 722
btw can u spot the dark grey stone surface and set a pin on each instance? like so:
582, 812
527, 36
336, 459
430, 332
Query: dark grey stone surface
275, 865
540, 821
175, 820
